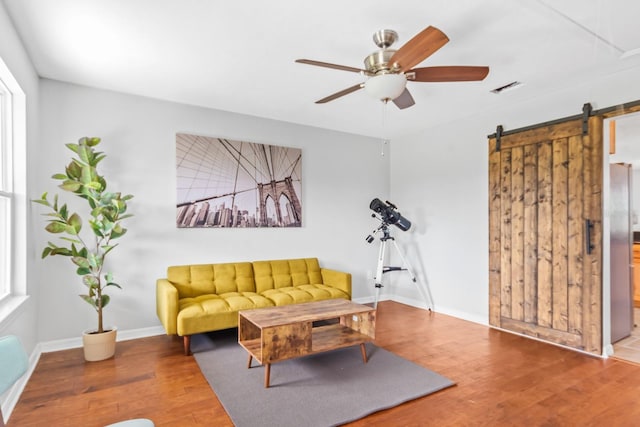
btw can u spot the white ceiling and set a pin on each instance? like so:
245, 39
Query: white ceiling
239, 55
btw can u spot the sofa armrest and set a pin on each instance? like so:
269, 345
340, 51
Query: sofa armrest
337, 279
167, 305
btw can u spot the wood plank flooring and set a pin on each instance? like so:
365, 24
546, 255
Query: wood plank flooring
502, 379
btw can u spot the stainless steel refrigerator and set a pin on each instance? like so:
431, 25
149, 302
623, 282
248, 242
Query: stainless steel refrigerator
621, 251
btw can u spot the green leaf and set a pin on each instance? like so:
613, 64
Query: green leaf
98, 158
94, 261
75, 222
69, 239
61, 251
63, 212
56, 227
93, 141
94, 185
82, 271
113, 284
59, 176
105, 300
80, 261
73, 147
42, 202
74, 170
46, 251
70, 186
118, 231
108, 277
96, 226
90, 280
89, 300
86, 176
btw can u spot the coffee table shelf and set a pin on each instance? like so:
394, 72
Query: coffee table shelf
278, 333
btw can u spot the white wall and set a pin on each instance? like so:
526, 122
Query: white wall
341, 174
22, 322
439, 180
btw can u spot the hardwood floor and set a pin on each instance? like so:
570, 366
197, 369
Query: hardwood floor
502, 379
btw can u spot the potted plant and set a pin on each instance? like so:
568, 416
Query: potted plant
106, 210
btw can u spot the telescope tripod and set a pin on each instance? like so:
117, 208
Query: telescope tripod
382, 269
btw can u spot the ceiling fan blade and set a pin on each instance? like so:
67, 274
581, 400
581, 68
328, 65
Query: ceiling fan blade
343, 92
448, 74
329, 65
419, 48
405, 100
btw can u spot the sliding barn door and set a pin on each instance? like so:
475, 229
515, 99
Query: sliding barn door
545, 230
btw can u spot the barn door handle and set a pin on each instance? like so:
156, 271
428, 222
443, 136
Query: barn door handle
588, 227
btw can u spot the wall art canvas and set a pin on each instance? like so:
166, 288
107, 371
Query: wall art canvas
238, 184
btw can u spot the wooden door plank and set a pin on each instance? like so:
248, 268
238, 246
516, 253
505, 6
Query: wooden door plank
517, 233
494, 234
530, 231
559, 224
548, 334
505, 235
544, 133
545, 235
592, 295
576, 228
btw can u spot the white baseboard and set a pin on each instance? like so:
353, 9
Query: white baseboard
123, 335
13, 395
421, 304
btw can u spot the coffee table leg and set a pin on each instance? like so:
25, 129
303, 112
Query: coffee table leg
363, 350
267, 374
249, 363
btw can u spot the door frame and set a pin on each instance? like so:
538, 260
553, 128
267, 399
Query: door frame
606, 231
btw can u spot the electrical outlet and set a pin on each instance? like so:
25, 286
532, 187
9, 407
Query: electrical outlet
355, 318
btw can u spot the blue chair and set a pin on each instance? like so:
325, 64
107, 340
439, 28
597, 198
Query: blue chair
13, 364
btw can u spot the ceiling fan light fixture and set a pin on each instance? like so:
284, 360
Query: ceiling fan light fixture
386, 87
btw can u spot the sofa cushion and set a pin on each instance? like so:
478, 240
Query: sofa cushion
213, 312
286, 273
195, 280
303, 293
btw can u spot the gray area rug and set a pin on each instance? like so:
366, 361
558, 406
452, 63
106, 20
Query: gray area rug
322, 390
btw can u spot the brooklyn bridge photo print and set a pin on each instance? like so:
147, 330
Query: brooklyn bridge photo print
239, 184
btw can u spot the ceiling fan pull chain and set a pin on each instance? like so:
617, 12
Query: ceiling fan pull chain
384, 127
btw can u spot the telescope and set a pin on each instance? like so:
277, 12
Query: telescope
389, 214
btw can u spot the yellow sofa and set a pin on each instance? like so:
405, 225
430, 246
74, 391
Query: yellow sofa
193, 299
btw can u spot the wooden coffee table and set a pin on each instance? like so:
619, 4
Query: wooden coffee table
274, 334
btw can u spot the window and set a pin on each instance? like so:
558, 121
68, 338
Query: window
13, 197
6, 191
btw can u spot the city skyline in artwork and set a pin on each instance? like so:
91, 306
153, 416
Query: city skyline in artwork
223, 183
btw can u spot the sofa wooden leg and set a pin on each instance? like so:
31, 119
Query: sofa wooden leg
187, 345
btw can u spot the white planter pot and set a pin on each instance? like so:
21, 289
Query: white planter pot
99, 346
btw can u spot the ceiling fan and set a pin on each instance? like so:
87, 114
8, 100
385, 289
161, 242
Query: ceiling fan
388, 70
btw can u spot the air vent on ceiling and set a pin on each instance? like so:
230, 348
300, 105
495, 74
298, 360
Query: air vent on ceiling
512, 85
